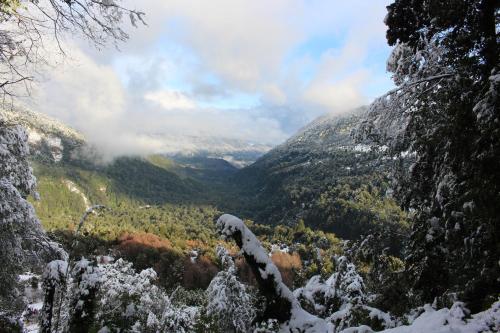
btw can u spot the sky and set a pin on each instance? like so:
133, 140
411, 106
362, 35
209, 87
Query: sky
253, 71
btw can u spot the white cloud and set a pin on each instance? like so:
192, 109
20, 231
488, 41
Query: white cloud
218, 51
91, 97
338, 96
274, 94
170, 99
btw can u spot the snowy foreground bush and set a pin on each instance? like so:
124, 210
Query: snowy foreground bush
228, 299
110, 297
340, 302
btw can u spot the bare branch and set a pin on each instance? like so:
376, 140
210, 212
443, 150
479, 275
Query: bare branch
25, 26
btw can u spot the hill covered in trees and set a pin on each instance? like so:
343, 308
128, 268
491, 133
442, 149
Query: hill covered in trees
160, 210
324, 177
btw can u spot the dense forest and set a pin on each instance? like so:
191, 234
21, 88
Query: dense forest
382, 219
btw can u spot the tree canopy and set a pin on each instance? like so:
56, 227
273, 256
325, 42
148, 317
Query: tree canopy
442, 123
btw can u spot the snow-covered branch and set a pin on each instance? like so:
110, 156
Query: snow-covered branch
281, 304
411, 84
279, 298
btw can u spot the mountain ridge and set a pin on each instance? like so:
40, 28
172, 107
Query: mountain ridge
320, 175
323, 176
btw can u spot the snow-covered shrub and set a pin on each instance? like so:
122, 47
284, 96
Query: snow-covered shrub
130, 302
228, 299
87, 278
341, 299
344, 286
113, 297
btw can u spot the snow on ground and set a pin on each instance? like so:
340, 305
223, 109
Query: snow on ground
26, 276
453, 320
279, 248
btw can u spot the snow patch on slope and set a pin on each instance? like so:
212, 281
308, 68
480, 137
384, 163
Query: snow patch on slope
73, 188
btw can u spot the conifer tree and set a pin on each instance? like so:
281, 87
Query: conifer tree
445, 113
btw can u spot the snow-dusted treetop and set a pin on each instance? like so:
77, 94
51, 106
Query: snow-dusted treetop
228, 299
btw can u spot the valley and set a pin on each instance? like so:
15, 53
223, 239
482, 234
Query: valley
318, 186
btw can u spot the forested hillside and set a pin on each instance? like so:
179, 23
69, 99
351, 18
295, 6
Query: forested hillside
320, 176
325, 178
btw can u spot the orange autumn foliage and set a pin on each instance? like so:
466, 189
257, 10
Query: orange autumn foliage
143, 239
287, 264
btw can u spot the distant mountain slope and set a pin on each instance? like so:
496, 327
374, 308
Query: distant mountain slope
64, 162
239, 153
49, 139
322, 176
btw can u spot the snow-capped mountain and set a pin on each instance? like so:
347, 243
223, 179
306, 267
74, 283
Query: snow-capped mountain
317, 142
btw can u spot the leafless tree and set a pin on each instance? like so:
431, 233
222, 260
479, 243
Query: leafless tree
28, 26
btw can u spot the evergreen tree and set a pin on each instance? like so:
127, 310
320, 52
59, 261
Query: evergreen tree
110, 297
445, 112
342, 298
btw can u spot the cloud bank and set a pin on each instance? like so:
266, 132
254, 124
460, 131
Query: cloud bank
249, 71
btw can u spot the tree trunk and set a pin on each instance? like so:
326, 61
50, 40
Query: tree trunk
47, 310
487, 24
277, 307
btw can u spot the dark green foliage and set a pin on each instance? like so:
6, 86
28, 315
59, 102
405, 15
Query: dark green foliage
128, 227
323, 178
468, 27
10, 325
452, 124
151, 184
352, 210
382, 271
